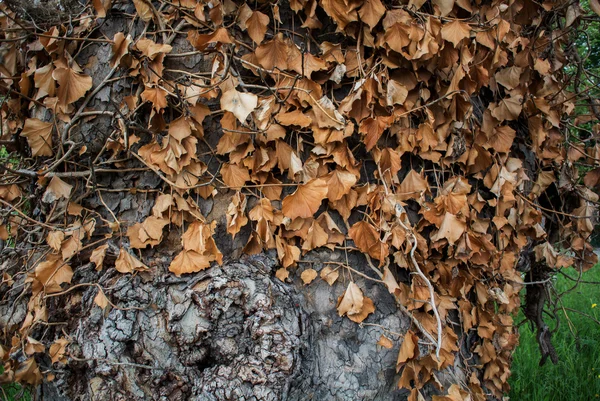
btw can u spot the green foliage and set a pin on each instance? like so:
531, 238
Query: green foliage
576, 377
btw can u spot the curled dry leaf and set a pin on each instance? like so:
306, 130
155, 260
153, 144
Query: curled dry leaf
54, 239
127, 263
58, 350
257, 26
98, 256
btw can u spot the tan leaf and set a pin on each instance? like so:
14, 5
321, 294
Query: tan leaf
409, 348
101, 7
101, 300
151, 49
508, 109
58, 349
234, 176
282, 274
157, 96
127, 263
372, 128
190, 262
339, 183
366, 238
371, 12
451, 229
28, 372
257, 26
51, 273
396, 93
39, 136
74, 209
455, 32
306, 200
351, 302
98, 256
385, 342
202, 41
44, 81
329, 275
56, 189
288, 254
308, 276
71, 247
55, 239
315, 238
445, 6
239, 103
120, 48
367, 309
236, 217
72, 85
413, 185
274, 53
509, 77
144, 9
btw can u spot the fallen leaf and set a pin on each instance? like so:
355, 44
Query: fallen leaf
58, 349
455, 31
101, 300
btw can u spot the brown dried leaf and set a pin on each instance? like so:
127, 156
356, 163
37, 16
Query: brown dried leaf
308, 276
39, 136
306, 200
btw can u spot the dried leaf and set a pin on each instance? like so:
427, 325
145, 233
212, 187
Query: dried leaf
351, 302
72, 85
56, 189
308, 276
39, 136
306, 200
239, 103
98, 256
329, 275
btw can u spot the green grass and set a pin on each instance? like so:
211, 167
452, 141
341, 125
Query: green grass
576, 377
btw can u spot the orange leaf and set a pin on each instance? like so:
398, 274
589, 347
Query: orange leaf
306, 200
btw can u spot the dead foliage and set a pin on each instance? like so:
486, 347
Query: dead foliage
430, 136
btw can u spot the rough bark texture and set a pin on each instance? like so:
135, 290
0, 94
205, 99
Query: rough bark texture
228, 333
